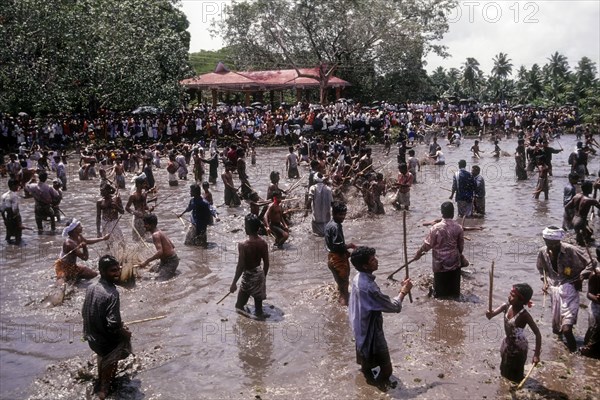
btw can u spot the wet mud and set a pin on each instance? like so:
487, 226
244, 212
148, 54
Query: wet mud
440, 349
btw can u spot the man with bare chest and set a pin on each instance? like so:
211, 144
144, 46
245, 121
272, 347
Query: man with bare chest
119, 174
250, 254
580, 205
140, 207
275, 223
165, 250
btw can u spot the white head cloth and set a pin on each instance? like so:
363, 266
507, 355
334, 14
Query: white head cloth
139, 178
553, 233
71, 226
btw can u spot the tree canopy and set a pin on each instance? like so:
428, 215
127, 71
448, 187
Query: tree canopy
355, 39
81, 55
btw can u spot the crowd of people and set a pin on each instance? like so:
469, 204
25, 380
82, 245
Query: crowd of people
283, 123
337, 167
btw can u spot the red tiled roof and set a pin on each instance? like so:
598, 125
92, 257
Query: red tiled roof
258, 80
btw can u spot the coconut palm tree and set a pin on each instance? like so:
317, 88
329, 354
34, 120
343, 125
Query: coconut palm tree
534, 85
502, 69
558, 66
471, 75
502, 66
585, 73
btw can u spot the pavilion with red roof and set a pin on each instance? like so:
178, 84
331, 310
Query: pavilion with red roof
253, 82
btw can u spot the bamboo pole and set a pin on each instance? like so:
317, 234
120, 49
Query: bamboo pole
223, 298
526, 377
139, 321
491, 292
405, 250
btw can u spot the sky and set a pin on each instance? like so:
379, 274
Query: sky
527, 31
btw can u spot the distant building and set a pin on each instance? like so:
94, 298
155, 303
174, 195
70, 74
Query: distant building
257, 82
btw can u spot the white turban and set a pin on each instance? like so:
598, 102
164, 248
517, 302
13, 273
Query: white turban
318, 178
553, 233
139, 178
74, 223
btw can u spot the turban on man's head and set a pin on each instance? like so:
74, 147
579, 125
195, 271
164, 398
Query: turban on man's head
553, 233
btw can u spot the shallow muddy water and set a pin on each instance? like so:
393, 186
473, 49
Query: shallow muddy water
201, 350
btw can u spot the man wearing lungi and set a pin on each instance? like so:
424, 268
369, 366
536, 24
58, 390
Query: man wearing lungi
562, 268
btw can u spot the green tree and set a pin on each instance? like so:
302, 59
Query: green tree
471, 76
66, 55
501, 71
350, 36
533, 83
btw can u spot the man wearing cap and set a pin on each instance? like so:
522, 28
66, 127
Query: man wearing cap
562, 268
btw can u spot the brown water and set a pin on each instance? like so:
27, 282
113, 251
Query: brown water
439, 349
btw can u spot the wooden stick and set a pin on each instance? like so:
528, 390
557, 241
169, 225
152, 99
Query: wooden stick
139, 235
160, 202
545, 284
526, 377
180, 219
391, 276
117, 223
491, 288
294, 186
223, 298
405, 249
139, 321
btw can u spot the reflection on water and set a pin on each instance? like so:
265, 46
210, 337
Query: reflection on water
439, 349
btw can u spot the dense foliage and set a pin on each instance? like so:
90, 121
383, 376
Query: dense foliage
82, 55
553, 84
357, 40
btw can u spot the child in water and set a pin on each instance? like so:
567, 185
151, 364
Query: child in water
514, 346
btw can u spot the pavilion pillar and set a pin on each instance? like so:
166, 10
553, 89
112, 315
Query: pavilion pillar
215, 97
338, 92
199, 96
298, 95
247, 98
272, 99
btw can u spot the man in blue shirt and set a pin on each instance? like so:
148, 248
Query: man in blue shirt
366, 305
463, 185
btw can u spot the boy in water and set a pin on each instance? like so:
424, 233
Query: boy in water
405, 181
365, 310
275, 223
165, 250
250, 254
337, 259
413, 164
514, 346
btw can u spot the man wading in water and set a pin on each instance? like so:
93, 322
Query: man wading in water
102, 326
250, 254
165, 250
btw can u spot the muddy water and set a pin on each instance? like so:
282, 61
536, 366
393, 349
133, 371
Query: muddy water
439, 349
